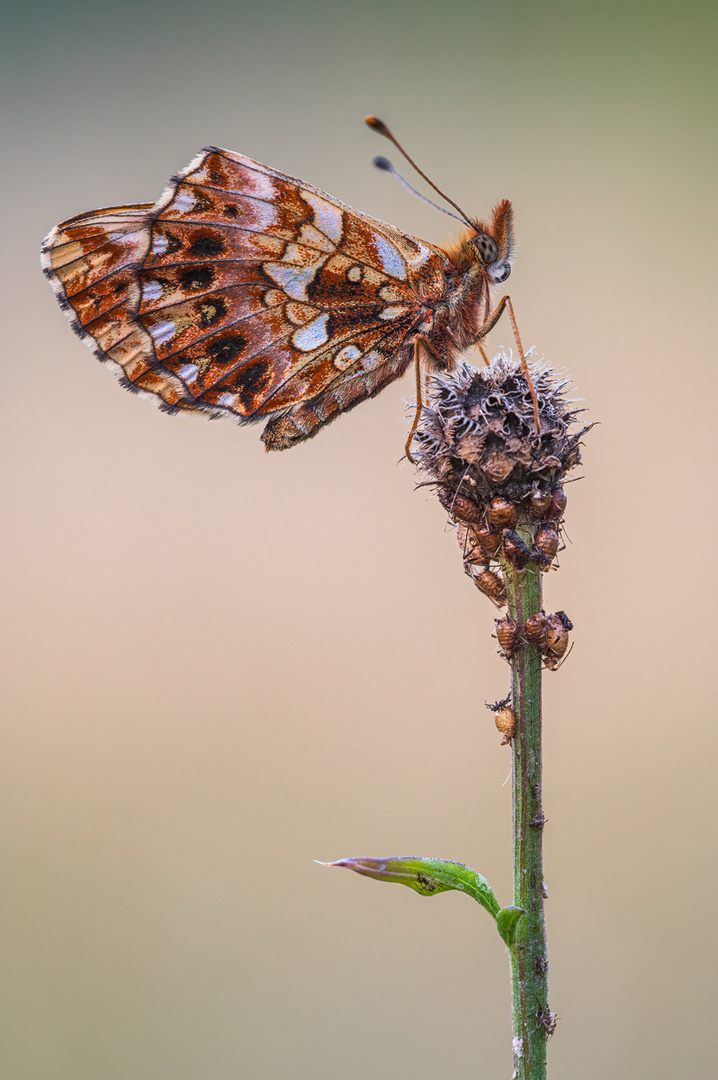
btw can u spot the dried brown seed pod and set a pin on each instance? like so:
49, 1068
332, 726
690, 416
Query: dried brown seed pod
535, 628
507, 635
492, 586
539, 502
557, 506
502, 513
515, 549
477, 433
460, 507
547, 541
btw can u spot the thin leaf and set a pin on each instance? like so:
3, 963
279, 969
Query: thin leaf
427, 877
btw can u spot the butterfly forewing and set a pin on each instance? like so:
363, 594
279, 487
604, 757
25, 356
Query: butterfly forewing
247, 293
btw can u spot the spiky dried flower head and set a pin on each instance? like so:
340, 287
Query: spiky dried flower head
493, 472
478, 439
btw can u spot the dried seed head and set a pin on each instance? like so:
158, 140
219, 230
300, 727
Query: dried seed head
478, 435
499, 479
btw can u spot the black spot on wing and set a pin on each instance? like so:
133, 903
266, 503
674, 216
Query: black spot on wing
250, 384
226, 348
199, 277
211, 311
206, 247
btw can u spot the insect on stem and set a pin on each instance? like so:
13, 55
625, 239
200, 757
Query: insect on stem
377, 299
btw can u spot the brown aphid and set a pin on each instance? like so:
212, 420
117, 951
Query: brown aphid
564, 619
539, 502
547, 1020
504, 718
546, 541
502, 513
536, 628
474, 554
489, 539
557, 505
492, 586
515, 549
460, 507
553, 663
557, 627
507, 635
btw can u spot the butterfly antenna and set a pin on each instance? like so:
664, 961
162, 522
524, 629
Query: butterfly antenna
386, 165
379, 126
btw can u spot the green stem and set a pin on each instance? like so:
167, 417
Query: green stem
529, 963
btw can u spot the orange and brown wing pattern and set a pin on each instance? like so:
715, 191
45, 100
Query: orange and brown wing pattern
247, 293
92, 261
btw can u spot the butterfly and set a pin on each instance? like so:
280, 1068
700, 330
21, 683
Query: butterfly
248, 294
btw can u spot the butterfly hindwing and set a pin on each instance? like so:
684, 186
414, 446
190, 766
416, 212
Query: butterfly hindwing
246, 293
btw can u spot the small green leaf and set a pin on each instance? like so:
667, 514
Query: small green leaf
507, 920
427, 877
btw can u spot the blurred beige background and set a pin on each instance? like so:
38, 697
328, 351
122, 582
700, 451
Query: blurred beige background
219, 665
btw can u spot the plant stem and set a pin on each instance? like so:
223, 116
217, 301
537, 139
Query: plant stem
532, 1021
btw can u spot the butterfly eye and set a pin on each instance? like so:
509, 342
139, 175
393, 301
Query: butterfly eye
499, 271
486, 247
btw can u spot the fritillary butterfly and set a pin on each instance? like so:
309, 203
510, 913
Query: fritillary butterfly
249, 294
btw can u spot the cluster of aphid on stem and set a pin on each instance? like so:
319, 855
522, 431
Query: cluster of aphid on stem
490, 538
501, 483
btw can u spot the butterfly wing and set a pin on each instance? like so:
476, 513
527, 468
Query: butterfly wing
246, 293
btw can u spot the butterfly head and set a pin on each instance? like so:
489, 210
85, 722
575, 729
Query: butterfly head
492, 244
488, 247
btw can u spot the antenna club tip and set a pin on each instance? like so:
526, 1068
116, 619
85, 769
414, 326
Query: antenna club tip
383, 163
377, 125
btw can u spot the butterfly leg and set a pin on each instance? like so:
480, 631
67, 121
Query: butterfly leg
505, 302
419, 342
